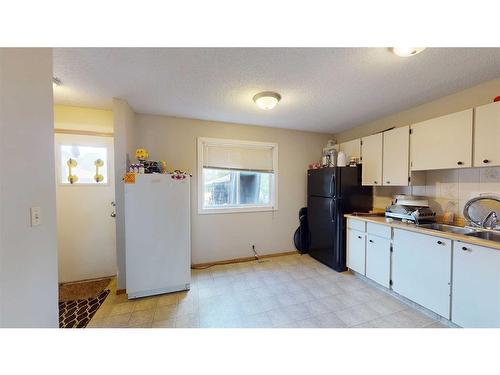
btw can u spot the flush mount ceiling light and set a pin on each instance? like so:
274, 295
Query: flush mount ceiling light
56, 82
267, 100
407, 51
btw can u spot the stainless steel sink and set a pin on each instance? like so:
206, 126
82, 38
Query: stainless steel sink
448, 228
486, 235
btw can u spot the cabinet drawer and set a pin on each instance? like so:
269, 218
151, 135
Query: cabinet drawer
379, 230
356, 224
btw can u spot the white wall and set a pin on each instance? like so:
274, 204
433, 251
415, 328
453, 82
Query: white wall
228, 236
83, 118
123, 128
28, 255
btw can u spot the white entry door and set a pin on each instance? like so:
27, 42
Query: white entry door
85, 207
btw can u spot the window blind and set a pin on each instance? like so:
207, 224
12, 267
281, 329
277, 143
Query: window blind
238, 157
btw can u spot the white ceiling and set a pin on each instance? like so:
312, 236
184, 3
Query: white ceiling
322, 89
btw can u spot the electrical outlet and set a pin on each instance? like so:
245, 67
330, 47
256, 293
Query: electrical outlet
36, 216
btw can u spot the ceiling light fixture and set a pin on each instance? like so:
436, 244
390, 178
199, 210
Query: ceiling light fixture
407, 51
56, 82
267, 100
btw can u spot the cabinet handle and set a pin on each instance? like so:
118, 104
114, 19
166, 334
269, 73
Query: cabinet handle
388, 182
486, 161
459, 163
465, 249
370, 241
440, 243
375, 182
359, 237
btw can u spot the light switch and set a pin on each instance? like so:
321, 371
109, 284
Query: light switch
36, 216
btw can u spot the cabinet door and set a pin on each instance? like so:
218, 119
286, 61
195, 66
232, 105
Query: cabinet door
356, 250
476, 286
351, 149
396, 156
442, 143
378, 259
487, 135
372, 160
421, 269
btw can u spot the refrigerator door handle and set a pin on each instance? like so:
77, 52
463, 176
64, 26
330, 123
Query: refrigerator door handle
332, 186
332, 210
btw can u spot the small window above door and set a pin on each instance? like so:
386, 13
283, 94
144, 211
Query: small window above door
82, 165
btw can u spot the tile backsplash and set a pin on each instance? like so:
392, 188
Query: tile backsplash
447, 189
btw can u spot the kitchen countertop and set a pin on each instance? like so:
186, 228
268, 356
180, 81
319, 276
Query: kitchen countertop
414, 228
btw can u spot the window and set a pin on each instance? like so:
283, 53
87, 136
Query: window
236, 176
89, 164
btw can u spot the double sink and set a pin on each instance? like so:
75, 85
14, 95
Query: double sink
478, 233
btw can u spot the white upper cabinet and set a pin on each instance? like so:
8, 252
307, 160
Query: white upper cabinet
487, 135
351, 149
372, 160
442, 143
396, 154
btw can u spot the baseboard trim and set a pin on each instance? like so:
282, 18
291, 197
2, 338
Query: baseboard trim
240, 260
87, 280
120, 291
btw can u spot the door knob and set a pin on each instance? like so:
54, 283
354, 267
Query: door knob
113, 214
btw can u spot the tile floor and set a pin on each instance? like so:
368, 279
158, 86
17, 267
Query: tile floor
290, 291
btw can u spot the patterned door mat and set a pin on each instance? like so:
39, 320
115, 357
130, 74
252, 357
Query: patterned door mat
77, 314
82, 289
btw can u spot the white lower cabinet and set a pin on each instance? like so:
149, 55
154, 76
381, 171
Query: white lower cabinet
356, 255
378, 259
476, 286
421, 270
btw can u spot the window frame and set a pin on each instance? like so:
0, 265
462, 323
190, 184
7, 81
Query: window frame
273, 206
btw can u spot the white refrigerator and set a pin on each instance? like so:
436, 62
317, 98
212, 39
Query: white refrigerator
157, 235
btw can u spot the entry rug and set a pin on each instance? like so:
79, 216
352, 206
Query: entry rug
77, 314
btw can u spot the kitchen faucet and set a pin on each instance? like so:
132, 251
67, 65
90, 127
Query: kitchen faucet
491, 220
494, 220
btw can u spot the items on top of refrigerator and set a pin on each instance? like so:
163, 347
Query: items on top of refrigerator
147, 166
341, 159
180, 175
329, 157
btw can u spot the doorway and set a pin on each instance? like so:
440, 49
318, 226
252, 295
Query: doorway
85, 197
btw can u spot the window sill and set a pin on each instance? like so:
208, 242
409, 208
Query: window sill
235, 210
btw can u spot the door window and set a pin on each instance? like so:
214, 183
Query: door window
83, 165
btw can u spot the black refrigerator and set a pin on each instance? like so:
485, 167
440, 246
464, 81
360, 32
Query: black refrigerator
331, 193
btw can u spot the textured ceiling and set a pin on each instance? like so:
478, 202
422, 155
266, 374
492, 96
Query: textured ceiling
322, 89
